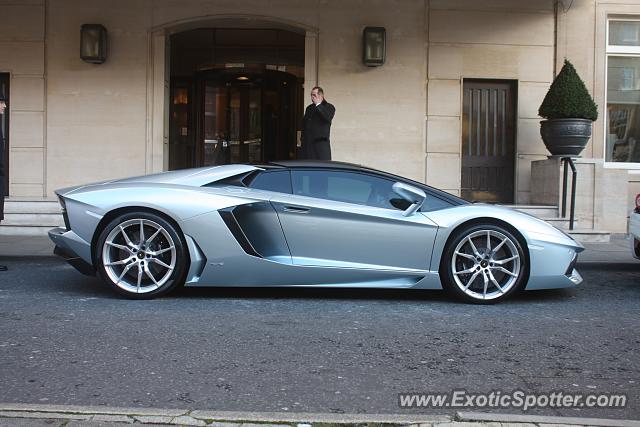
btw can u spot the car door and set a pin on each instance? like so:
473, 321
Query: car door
346, 219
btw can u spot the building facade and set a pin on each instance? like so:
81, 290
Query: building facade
202, 82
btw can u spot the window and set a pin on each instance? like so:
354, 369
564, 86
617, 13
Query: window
358, 188
623, 92
349, 187
624, 33
278, 181
628, 78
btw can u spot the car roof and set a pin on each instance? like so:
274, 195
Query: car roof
313, 163
289, 164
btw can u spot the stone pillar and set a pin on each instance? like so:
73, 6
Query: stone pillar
601, 194
22, 53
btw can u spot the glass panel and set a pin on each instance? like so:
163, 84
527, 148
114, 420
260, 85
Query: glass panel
623, 109
90, 42
180, 96
254, 137
279, 181
374, 46
346, 187
234, 125
181, 148
215, 126
624, 33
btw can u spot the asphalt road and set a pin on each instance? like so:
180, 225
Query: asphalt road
67, 339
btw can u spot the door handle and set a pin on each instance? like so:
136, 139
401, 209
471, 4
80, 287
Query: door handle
296, 209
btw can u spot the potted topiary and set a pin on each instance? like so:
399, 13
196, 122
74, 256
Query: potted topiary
570, 112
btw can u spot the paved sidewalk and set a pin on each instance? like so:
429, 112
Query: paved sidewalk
616, 251
25, 246
77, 416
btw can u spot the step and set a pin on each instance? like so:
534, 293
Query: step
561, 223
21, 230
537, 210
26, 206
33, 219
590, 236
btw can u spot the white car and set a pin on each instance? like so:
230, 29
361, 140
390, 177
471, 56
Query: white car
634, 229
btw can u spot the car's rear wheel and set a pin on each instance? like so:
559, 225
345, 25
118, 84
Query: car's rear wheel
484, 263
141, 255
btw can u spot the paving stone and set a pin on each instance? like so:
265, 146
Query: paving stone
468, 424
264, 425
50, 415
223, 424
25, 422
188, 421
555, 425
91, 410
113, 418
153, 419
106, 424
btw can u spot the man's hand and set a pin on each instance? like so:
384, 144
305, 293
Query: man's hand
317, 98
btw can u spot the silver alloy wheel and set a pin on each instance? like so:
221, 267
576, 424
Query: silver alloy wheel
137, 263
485, 264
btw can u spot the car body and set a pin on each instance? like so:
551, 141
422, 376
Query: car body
302, 223
634, 229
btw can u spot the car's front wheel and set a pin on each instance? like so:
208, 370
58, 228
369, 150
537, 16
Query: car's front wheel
141, 255
484, 263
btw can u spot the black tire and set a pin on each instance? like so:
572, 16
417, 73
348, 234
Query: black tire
146, 276
471, 273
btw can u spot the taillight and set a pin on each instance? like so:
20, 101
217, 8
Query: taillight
63, 204
63, 210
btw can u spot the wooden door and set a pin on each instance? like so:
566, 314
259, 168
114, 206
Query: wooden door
488, 141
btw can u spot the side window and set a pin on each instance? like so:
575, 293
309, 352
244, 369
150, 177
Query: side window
433, 203
278, 181
349, 187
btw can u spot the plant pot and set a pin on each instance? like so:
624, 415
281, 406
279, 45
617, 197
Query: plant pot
565, 137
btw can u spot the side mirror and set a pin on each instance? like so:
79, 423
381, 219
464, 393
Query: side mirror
412, 194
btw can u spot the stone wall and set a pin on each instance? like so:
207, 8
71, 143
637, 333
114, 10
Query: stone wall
498, 39
22, 47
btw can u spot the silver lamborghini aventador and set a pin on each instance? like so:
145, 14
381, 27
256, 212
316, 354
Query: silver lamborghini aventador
297, 223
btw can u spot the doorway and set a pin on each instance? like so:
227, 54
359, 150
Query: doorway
488, 140
236, 96
247, 117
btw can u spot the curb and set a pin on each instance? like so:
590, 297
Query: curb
205, 417
541, 419
105, 415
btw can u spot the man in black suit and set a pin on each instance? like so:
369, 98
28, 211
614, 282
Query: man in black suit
3, 106
316, 127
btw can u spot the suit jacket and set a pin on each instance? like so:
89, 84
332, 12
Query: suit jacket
316, 123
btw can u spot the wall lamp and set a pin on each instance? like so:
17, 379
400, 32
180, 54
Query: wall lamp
93, 43
374, 46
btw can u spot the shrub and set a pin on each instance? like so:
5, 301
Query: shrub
568, 97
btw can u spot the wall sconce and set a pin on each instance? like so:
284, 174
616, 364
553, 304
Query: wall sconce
93, 43
374, 41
